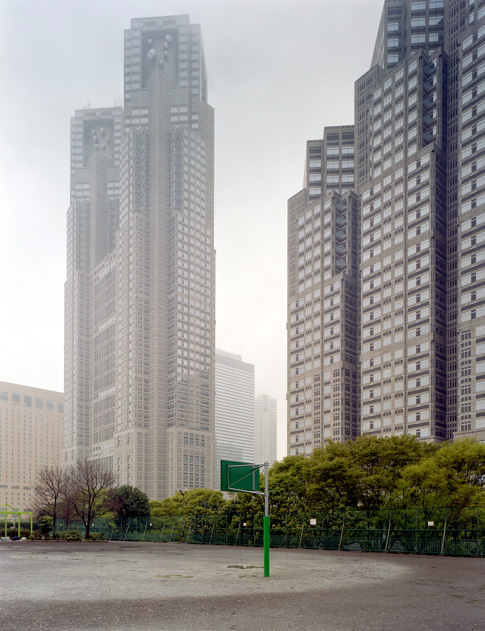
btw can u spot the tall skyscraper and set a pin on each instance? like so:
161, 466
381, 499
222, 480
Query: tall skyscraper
265, 429
403, 238
139, 325
30, 438
323, 225
234, 425
420, 179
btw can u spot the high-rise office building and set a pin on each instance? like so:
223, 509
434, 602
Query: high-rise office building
323, 225
403, 237
234, 405
265, 429
31, 422
139, 325
420, 179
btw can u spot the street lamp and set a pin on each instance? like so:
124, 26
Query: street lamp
182, 493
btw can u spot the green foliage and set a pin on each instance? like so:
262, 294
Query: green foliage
71, 535
355, 483
128, 501
45, 525
194, 502
370, 474
453, 477
96, 536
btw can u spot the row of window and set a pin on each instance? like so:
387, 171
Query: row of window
27, 402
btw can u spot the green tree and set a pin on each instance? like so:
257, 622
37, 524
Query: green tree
45, 525
453, 477
333, 479
382, 461
128, 502
363, 474
288, 491
200, 501
465, 460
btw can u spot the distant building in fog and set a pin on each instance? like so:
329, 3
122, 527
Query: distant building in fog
234, 406
140, 288
265, 423
31, 422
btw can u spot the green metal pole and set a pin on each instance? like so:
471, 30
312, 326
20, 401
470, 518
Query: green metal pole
266, 545
5, 533
266, 521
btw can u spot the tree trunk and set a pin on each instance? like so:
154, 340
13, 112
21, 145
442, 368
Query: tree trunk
54, 517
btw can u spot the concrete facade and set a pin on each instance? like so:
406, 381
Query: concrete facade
31, 426
322, 297
140, 299
420, 188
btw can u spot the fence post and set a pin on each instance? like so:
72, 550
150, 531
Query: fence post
341, 533
301, 536
444, 534
416, 531
388, 532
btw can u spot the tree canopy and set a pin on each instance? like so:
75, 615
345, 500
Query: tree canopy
129, 501
195, 501
369, 474
374, 473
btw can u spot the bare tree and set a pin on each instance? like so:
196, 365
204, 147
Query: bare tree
50, 490
89, 485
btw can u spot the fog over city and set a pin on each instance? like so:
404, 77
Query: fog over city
278, 72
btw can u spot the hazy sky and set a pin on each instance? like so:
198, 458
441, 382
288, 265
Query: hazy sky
278, 73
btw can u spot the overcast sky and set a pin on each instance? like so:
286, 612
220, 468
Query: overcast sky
278, 73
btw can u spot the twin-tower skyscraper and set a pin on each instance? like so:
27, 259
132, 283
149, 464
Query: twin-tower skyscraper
140, 289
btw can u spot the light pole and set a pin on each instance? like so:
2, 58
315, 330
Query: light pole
182, 493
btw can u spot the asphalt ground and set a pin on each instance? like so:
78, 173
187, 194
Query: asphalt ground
121, 586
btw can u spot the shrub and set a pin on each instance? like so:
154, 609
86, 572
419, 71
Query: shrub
97, 536
14, 532
45, 525
72, 535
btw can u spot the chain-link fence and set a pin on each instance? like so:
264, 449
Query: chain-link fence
418, 531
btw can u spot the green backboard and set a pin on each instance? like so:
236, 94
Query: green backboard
239, 476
